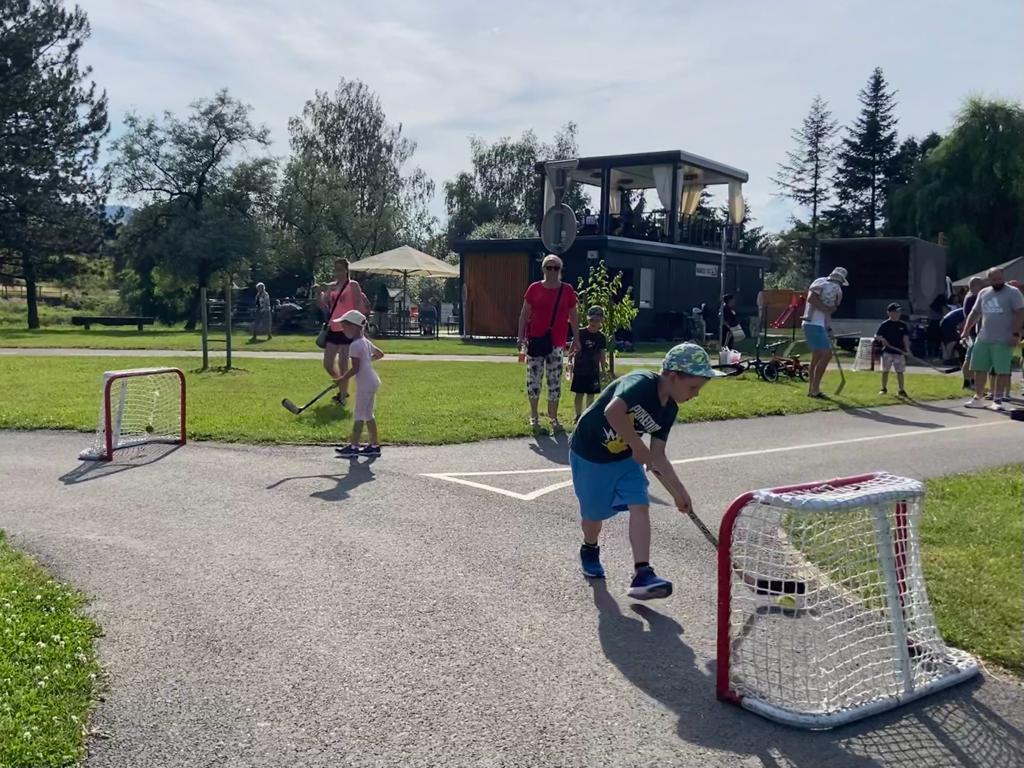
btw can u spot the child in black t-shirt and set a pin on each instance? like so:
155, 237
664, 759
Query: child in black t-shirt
589, 362
894, 335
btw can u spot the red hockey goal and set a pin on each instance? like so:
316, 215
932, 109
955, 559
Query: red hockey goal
823, 614
138, 406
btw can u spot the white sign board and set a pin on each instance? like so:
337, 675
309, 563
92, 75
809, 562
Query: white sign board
707, 270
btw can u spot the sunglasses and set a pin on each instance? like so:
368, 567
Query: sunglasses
552, 268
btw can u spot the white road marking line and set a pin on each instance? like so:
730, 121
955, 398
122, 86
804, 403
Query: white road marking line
457, 477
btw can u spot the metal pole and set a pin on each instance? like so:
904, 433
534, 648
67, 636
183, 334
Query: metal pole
673, 221
206, 328
721, 292
227, 323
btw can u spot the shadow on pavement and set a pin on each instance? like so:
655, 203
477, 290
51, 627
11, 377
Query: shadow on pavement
359, 473
124, 459
952, 728
554, 448
949, 410
885, 418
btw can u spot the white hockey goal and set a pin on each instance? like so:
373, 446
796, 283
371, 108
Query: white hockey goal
823, 615
138, 406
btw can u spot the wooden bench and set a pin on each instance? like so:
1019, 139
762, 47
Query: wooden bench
91, 320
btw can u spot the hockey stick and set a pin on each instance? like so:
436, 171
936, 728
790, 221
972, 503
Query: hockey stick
842, 376
296, 410
952, 369
761, 586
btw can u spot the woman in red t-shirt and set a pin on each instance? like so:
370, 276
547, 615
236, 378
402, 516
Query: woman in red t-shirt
534, 322
335, 300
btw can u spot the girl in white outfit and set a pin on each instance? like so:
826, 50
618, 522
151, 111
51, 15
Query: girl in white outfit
362, 352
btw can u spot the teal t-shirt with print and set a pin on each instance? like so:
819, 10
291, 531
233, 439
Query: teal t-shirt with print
595, 440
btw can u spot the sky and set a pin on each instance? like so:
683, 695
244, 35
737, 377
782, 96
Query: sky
728, 80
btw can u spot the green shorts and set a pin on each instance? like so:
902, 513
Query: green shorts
989, 356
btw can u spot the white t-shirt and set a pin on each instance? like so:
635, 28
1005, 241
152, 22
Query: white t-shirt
367, 379
830, 293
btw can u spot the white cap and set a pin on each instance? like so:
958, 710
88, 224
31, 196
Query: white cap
353, 316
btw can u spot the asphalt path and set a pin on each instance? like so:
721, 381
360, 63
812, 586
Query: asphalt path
276, 606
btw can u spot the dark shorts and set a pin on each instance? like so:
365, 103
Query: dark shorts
586, 384
337, 337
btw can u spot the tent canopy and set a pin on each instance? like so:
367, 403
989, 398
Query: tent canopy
406, 261
1012, 270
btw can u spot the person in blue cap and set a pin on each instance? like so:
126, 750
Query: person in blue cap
608, 458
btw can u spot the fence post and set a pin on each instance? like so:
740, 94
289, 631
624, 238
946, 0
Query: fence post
227, 323
206, 329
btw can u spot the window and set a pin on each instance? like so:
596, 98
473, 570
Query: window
646, 288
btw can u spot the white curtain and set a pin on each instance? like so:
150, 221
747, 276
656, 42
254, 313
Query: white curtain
549, 194
690, 200
663, 183
614, 195
737, 208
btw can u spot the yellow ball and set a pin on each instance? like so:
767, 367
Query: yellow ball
787, 602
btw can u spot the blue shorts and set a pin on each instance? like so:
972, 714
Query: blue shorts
604, 490
817, 337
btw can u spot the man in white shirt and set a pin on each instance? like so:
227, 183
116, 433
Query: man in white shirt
823, 298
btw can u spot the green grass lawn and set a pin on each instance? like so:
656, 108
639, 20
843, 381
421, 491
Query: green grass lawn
420, 402
47, 667
973, 542
160, 337
164, 337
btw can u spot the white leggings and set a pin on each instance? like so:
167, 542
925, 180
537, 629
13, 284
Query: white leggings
537, 367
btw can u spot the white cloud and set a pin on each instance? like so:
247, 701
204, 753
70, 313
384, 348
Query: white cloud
727, 80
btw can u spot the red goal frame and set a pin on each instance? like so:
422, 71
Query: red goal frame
725, 531
108, 415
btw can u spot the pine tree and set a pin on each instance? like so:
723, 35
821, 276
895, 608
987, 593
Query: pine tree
866, 160
52, 120
806, 178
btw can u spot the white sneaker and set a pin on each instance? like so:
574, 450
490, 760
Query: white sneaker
975, 402
997, 405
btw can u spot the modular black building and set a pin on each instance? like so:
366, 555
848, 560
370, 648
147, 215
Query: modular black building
672, 262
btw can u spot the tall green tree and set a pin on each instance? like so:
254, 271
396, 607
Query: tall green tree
348, 187
806, 176
865, 161
971, 187
208, 200
52, 121
906, 165
503, 183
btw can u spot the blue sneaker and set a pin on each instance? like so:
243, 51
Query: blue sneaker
590, 561
348, 451
647, 585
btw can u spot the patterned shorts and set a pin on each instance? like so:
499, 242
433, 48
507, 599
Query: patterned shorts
536, 367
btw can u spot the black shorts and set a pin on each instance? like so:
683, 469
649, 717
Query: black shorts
586, 384
337, 337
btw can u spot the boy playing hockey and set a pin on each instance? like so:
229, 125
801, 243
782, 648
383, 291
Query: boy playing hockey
894, 336
608, 456
589, 362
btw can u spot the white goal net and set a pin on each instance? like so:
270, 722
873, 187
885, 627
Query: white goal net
823, 613
139, 406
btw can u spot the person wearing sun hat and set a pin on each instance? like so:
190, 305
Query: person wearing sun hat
362, 354
608, 456
823, 298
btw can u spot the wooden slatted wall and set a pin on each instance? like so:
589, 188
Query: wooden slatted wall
495, 284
